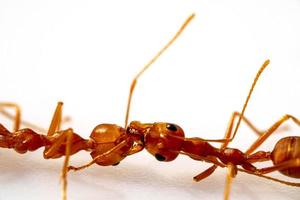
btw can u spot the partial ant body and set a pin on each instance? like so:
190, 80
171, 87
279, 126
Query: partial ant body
109, 143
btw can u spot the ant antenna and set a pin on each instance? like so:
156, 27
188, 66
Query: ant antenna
266, 63
133, 84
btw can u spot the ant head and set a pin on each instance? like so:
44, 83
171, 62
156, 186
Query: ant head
162, 140
106, 137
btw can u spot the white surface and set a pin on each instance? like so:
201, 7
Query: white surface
86, 53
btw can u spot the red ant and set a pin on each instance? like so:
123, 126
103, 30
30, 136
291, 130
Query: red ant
109, 143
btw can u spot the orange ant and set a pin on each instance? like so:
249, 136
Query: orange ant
109, 143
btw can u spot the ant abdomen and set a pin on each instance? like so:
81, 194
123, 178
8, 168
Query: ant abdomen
164, 141
105, 137
287, 149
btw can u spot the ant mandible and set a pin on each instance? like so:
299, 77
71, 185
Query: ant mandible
109, 143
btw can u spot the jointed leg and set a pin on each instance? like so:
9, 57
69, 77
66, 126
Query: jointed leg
232, 171
66, 136
205, 173
56, 119
16, 118
245, 119
210, 170
64, 172
271, 178
226, 140
263, 134
115, 148
53, 151
265, 156
228, 132
282, 166
270, 131
294, 163
18, 121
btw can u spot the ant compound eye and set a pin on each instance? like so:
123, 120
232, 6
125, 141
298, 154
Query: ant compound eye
171, 127
159, 157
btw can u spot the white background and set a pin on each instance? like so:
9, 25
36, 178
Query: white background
86, 53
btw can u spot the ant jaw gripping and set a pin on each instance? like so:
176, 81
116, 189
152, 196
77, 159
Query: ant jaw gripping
162, 140
136, 130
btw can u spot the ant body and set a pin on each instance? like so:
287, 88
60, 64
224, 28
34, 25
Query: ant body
109, 143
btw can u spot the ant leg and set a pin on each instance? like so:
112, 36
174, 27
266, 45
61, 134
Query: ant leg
261, 156
231, 173
227, 138
294, 163
205, 173
246, 120
241, 115
209, 170
270, 131
16, 118
112, 150
266, 156
59, 142
271, 178
54, 151
56, 119
228, 133
64, 171
134, 81
263, 134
